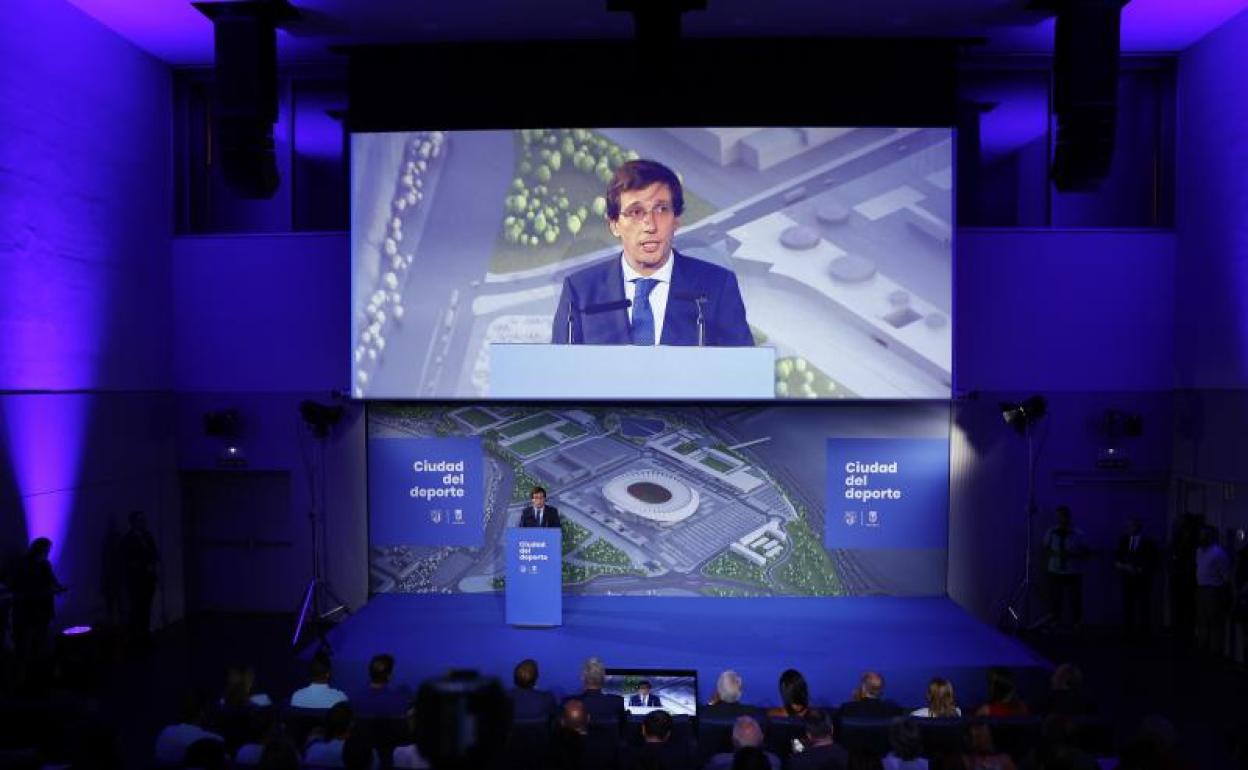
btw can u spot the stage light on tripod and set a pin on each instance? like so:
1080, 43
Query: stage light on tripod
1024, 414
319, 417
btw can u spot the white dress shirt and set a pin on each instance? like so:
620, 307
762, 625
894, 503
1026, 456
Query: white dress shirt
658, 293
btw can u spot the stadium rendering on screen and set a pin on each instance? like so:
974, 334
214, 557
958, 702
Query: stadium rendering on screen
831, 247
845, 499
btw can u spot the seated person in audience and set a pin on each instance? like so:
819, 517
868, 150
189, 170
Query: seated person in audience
867, 700
326, 750
318, 694
750, 758
941, 703
266, 730
726, 703
1153, 747
1003, 700
576, 748
794, 694
280, 755
358, 754
1058, 747
205, 754
381, 698
408, 755
821, 752
239, 693
528, 703
864, 759
601, 707
745, 734
643, 698
1067, 695
983, 754
173, 741
658, 749
905, 747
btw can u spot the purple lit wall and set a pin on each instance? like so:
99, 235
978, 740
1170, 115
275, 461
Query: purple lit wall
1086, 318
84, 290
1212, 275
260, 324
1212, 212
1074, 310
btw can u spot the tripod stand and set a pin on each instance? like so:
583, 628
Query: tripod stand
1023, 418
320, 600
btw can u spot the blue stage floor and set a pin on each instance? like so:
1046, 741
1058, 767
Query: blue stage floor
831, 641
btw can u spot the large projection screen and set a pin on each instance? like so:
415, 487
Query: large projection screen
840, 240
779, 499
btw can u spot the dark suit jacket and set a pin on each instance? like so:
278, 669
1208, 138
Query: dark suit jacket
532, 704
603, 708
603, 283
727, 712
672, 754
1143, 558
871, 708
831, 757
652, 700
550, 516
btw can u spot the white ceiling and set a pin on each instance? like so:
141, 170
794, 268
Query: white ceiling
173, 31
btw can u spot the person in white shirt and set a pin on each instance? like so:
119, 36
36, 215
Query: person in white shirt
173, 741
1213, 595
318, 694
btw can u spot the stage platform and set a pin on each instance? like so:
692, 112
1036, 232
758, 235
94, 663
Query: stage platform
831, 641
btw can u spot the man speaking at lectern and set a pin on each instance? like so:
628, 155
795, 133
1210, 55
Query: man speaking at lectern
538, 513
651, 294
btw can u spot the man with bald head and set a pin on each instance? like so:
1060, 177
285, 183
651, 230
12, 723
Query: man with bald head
868, 700
579, 748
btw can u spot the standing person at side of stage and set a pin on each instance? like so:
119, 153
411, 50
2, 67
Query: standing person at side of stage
1064, 545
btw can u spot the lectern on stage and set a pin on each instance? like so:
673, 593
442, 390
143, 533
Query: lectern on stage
534, 576
631, 372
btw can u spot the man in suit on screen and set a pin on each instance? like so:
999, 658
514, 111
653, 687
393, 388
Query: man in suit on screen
650, 294
537, 513
644, 698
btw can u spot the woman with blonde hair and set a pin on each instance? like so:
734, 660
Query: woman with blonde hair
940, 701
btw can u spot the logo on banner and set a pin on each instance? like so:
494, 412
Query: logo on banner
435, 515
459, 516
899, 488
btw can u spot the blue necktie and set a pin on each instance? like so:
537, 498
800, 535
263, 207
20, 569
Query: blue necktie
643, 316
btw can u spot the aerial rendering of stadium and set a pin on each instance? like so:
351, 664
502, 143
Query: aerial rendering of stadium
657, 497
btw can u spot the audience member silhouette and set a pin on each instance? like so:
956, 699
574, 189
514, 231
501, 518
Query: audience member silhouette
868, 701
746, 733
1003, 698
528, 703
318, 694
821, 751
380, 697
941, 703
794, 695
173, 741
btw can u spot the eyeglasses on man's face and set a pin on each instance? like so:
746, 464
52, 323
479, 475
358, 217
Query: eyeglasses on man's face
637, 213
